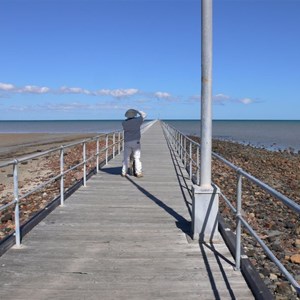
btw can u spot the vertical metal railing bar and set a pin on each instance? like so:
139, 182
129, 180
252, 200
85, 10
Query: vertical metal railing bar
174, 139
119, 143
180, 146
181, 150
114, 146
106, 149
191, 162
17, 205
178, 143
97, 155
198, 165
173, 136
185, 152
238, 222
62, 176
84, 163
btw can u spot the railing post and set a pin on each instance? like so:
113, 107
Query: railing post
62, 176
106, 147
198, 165
97, 155
191, 162
84, 163
174, 140
181, 147
119, 142
238, 222
185, 152
174, 137
114, 146
17, 207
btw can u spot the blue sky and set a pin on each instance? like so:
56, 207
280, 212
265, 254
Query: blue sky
93, 59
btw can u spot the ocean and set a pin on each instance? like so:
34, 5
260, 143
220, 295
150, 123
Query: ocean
60, 126
270, 134
273, 135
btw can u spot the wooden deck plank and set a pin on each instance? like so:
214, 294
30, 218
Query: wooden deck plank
123, 238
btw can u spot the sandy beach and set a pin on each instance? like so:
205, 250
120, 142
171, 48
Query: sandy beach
14, 145
20, 145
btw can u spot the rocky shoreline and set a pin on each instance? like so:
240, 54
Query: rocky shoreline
276, 224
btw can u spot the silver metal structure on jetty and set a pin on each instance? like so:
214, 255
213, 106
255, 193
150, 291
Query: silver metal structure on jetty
123, 238
188, 153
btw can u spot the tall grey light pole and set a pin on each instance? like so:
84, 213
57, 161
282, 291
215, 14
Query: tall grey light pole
205, 197
206, 94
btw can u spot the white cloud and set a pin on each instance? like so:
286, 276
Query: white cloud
74, 90
246, 101
126, 94
221, 99
6, 86
162, 95
118, 93
32, 89
67, 107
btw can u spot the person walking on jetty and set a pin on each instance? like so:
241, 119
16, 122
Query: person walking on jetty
132, 137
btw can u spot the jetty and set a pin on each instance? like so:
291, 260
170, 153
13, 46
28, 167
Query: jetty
123, 238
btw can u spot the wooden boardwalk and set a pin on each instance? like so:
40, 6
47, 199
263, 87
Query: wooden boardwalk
123, 238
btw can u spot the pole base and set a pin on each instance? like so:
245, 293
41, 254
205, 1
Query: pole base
204, 214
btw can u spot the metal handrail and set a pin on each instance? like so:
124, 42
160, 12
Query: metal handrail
178, 141
116, 146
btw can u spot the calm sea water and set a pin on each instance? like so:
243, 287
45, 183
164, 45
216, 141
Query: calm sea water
66, 126
273, 135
